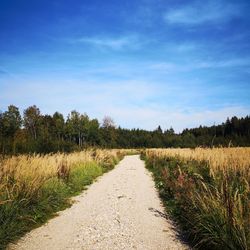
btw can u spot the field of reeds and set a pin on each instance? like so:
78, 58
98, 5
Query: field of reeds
206, 191
34, 187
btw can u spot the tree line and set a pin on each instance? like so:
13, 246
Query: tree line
35, 132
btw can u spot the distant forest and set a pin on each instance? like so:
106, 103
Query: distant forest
37, 133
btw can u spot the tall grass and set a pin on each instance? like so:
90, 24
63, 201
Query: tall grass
207, 192
33, 188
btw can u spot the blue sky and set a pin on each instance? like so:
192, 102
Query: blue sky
143, 62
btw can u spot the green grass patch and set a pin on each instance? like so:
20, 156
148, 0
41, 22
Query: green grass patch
83, 176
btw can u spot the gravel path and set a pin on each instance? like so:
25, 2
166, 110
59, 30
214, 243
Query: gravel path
121, 210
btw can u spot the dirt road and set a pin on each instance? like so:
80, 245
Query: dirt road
119, 211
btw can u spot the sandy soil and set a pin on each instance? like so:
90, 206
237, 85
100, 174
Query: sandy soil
121, 210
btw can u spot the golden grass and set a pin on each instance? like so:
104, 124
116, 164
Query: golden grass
236, 159
25, 174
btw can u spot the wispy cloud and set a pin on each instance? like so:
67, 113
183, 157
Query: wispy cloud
114, 43
186, 47
180, 67
238, 62
203, 12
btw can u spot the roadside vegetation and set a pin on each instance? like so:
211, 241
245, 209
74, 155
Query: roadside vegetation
206, 191
34, 187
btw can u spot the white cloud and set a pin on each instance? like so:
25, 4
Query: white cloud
165, 66
194, 65
203, 12
115, 43
230, 63
186, 47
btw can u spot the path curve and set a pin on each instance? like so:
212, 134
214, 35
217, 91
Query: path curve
121, 210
